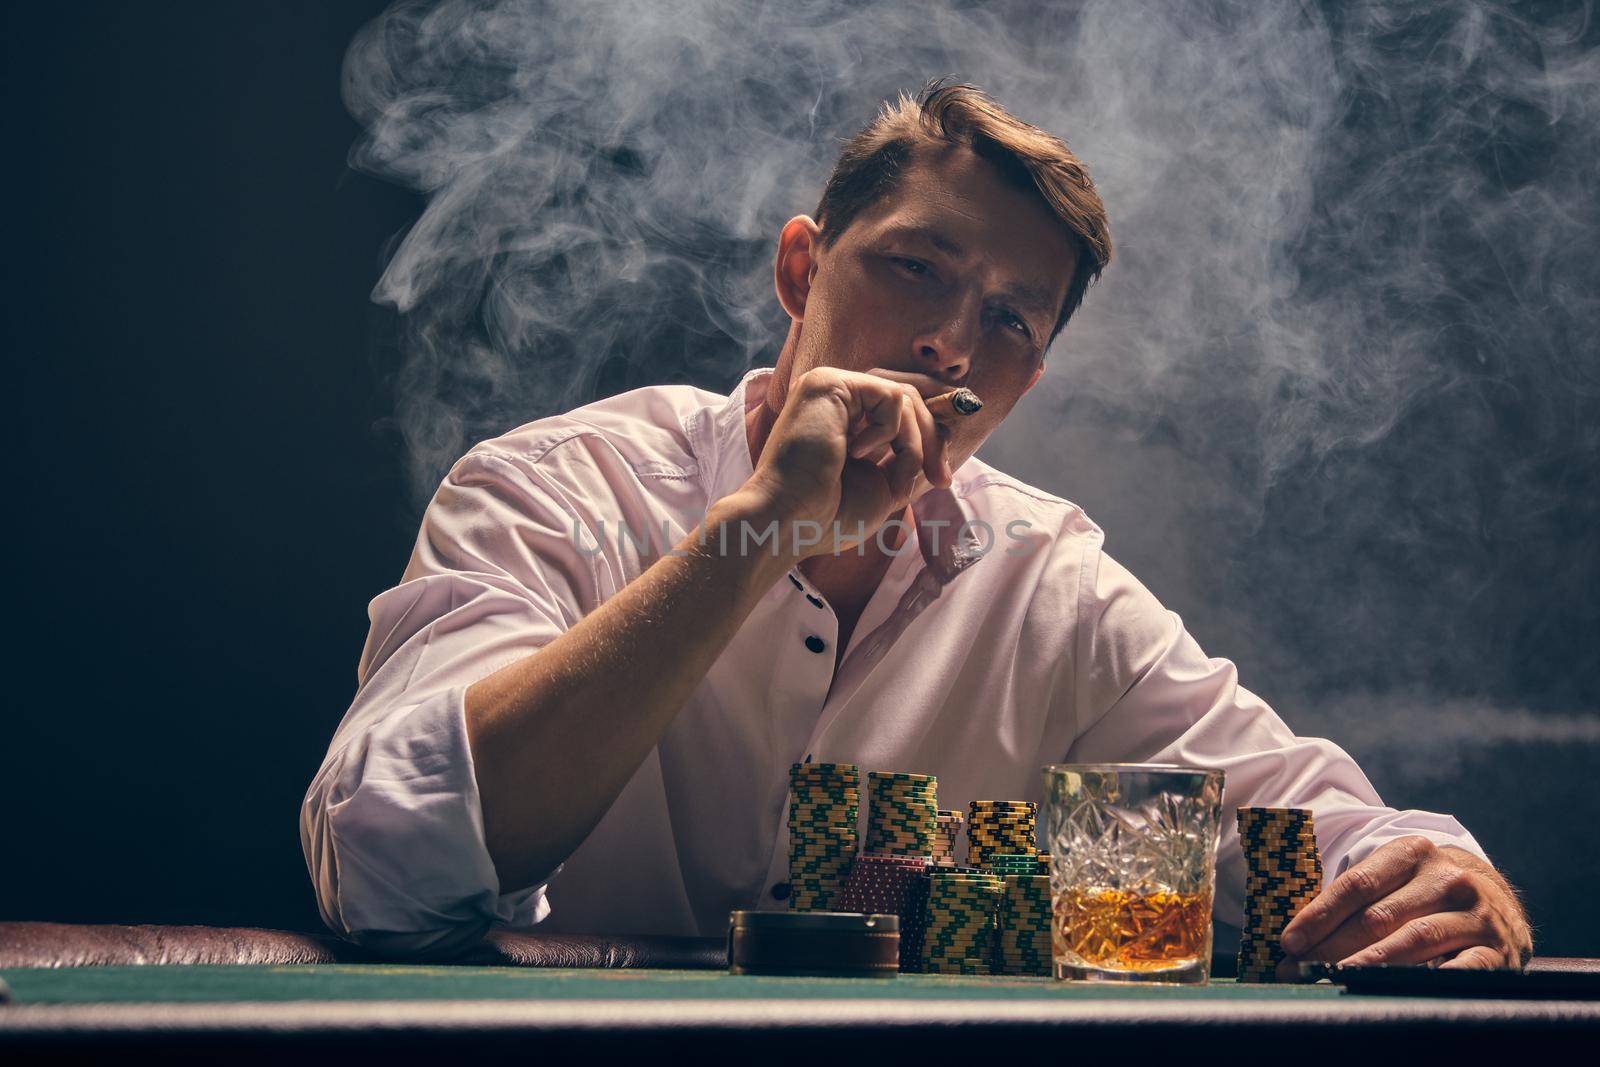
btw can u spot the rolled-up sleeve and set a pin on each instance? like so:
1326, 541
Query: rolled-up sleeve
1147, 693
391, 826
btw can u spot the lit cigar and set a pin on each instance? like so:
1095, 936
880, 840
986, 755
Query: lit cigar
954, 405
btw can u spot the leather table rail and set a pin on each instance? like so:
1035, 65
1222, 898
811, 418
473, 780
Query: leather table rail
37, 944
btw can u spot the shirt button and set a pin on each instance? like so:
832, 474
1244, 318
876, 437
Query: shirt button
780, 891
815, 643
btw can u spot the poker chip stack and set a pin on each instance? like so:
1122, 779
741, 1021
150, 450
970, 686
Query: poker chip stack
887, 885
1284, 874
946, 836
902, 819
914, 922
824, 802
1000, 826
1025, 925
962, 917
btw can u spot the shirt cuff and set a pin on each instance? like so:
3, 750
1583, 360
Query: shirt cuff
410, 870
1440, 829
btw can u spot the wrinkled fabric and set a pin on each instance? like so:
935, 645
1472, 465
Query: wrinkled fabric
989, 650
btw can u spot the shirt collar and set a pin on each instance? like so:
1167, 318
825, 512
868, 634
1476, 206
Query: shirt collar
948, 548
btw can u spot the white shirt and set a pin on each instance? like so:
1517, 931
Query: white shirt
976, 661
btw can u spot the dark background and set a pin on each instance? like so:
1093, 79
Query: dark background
204, 498
207, 490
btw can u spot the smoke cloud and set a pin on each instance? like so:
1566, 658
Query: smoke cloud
1335, 400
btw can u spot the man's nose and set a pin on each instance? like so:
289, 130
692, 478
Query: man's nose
945, 351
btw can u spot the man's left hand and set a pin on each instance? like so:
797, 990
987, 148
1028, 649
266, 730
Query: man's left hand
1413, 902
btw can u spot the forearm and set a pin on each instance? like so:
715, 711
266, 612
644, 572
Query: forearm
557, 735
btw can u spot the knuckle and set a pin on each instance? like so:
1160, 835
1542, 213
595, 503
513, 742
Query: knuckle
1461, 883
1362, 883
818, 377
1417, 848
1426, 931
819, 382
1376, 921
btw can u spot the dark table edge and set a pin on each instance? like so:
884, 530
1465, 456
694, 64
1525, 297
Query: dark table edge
834, 1014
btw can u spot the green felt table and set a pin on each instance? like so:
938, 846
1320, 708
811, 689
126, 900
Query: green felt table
363, 982
328, 1011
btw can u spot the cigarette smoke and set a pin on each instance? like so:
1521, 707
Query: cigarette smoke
1335, 402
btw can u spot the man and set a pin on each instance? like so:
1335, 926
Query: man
558, 721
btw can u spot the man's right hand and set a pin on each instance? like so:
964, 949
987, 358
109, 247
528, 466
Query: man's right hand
844, 455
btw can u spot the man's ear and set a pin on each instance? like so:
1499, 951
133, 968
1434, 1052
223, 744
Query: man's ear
1038, 372
798, 244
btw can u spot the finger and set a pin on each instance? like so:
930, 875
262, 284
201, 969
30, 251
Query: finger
1366, 883
1421, 940
876, 455
1371, 924
881, 406
1288, 970
913, 385
1476, 958
907, 460
933, 442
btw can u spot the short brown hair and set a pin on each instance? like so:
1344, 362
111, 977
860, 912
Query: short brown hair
873, 160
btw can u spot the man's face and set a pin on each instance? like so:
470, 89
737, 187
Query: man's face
955, 277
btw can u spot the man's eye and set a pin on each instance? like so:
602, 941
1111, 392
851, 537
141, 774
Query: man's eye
919, 269
1013, 317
